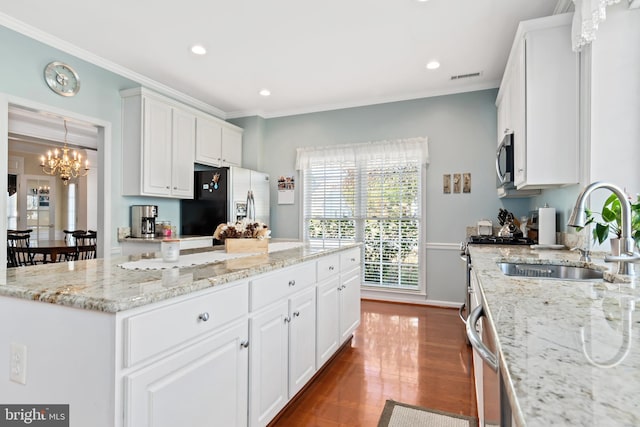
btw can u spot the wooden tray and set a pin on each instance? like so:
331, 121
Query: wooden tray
233, 246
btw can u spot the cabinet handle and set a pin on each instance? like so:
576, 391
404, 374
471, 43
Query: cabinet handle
353, 260
244, 344
292, 282
331, 268
204, 316
287, 319
343, 287
296, 314
339, 288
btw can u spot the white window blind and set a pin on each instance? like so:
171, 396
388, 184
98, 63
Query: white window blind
374, 198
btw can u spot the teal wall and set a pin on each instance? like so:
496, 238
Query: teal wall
21, 75
462, 138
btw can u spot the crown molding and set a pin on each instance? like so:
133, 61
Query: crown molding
57, 43
364, 103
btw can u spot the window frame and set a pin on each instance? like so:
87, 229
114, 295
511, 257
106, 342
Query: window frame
421, 288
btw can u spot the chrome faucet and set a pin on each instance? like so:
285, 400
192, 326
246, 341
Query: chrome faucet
627, 245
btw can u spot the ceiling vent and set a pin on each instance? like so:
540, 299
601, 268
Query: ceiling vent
466, 76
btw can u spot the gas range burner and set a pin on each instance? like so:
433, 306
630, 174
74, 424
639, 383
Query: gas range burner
497, 240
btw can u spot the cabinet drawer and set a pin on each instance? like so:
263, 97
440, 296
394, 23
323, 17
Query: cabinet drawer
154, 331
275, 286
328, 266
349, 259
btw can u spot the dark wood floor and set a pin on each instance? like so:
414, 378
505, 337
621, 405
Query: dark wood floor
412, 354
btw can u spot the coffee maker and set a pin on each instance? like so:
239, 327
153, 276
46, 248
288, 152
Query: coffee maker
143, 221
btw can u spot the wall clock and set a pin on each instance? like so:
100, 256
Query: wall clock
62, 79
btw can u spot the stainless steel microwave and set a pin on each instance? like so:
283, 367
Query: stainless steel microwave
505, 162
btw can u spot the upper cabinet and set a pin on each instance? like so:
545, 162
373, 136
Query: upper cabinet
539, 101
163, 139
218, 143
158, 146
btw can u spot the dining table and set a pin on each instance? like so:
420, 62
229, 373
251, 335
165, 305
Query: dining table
51, 249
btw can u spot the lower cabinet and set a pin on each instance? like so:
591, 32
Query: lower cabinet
328, 339
349, 303
282, 360
202, 385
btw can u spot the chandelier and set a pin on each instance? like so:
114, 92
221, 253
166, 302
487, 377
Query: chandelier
68, 166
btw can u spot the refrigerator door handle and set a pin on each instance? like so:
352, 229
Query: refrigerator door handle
251, 206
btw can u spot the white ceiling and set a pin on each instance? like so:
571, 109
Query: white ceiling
312, 56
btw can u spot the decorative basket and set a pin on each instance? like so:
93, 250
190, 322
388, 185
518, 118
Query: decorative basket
246, 245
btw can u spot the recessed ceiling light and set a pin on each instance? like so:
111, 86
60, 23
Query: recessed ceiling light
265, 92
432, 65
198, 49
423, 1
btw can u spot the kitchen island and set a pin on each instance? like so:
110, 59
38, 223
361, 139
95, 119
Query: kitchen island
569, 351
172, 346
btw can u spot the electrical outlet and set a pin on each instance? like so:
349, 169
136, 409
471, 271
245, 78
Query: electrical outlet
18, 363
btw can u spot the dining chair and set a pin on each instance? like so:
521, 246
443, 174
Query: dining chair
86, 244
68, 236
71, 241
18, 251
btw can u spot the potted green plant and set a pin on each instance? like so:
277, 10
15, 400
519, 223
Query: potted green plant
610, 219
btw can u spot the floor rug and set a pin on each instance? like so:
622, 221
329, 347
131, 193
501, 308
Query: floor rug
396, 414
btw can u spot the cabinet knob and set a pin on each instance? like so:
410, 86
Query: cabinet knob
353, 260
339, 288
204, 316
292, 282
244, 344
331, 268
175, 188
296, 314
167, 187
287, 319
343, 287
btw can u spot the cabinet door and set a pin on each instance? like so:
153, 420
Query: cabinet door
504, 106
157, 151
349, 304
302, 339
184, 128
231, 147
208, 142
328, 328
269, 363
204, 385
517, 117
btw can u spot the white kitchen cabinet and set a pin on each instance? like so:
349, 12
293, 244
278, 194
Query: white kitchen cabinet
349, 303
302, 339
538, 101
328, 333
203, 385
158, 146
350, 284
268, 363
217, 143
283, 343
187, 360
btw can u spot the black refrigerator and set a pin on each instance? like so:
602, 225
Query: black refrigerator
201, 216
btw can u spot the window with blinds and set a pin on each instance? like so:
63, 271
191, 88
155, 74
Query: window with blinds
375, 201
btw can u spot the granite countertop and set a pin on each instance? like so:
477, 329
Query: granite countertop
569, 350
102, 285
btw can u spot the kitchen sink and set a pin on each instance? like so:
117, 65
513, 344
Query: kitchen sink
549, 271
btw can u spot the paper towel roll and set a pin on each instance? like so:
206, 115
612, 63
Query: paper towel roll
547, 226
